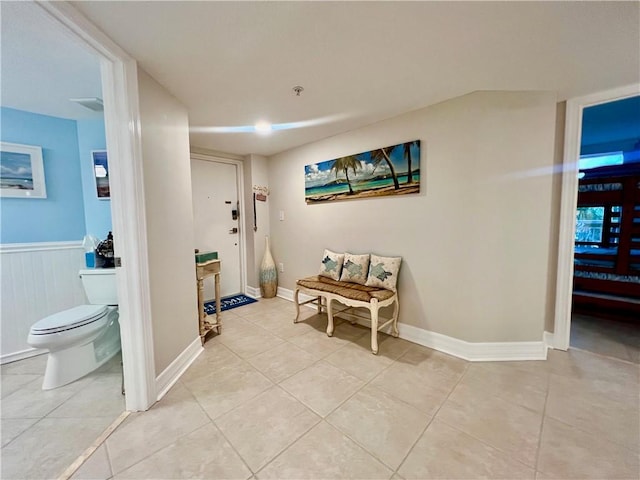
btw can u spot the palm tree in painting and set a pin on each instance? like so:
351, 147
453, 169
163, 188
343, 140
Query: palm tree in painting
384, 155
343, 164
406, 147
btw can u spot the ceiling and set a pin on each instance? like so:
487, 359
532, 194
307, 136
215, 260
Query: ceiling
235, 63
42, 67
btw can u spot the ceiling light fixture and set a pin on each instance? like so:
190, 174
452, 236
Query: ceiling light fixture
271, 127
92, 103
263, 127
297, 90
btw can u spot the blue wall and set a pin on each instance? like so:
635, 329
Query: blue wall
60, 216
97, 213
612, 127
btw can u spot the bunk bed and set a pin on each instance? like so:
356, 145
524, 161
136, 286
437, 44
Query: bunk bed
607, 247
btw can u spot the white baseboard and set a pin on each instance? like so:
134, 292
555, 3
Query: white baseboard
252, 292
21, 355
287, 294
174, 371
471, 351
549, 340
474, 351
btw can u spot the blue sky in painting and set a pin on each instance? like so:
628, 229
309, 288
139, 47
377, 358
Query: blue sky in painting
320, 173
100, 160
15, 165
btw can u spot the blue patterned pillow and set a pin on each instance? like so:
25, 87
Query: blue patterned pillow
383, 272
331, 265
355, 268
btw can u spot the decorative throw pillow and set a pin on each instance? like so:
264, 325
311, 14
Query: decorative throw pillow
331, 265
355, 268
383, 272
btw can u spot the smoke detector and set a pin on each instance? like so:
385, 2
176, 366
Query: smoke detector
92, 103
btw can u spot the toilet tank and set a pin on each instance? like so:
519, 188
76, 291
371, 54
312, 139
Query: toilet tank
100, 285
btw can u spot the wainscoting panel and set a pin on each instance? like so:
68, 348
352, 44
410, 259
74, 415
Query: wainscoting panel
38, 279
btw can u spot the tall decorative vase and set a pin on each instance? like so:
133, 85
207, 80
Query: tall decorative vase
268, 273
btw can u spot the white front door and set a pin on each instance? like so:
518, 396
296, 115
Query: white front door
217, 220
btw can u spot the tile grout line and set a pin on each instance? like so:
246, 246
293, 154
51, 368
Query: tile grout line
484, 442
108, 453
466, 368
159, 449
607, 357
321, 417
286, 447
71, 469
542, 422
233, 447
37, 421
365, 384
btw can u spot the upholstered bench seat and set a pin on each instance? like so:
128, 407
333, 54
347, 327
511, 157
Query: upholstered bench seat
352, 291
351, 295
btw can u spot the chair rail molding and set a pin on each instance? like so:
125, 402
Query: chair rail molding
122, 125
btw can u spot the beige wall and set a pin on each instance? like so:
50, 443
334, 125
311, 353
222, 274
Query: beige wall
475, 241
554, 231
255, 174
169, 212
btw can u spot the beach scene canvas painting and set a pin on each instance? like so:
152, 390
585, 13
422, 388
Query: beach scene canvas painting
101, 171
393, 170
21, 171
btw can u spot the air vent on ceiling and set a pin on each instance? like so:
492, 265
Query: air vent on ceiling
92, 103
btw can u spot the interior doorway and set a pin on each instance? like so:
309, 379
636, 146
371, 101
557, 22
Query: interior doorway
606, 285
569, 205
216, 212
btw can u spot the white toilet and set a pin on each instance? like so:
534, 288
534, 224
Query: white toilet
82, 338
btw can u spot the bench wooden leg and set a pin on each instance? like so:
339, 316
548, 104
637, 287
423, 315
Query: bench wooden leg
329, 317
295, 300
394, 325
319, 304
374, 326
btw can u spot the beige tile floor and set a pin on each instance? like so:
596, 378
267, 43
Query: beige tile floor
43, 432
269, 399
612, 338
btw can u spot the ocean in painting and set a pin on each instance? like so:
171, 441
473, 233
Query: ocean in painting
15, 171
369, 174
343, 187
17, 183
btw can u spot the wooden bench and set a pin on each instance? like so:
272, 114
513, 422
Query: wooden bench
353, 295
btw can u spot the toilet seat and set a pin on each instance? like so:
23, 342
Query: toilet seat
69, 319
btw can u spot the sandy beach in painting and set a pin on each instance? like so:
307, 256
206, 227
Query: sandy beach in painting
378, 192
392, 170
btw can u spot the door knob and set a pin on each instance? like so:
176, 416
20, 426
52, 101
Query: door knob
233, 230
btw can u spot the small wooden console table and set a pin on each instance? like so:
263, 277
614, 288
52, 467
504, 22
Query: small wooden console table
204, 270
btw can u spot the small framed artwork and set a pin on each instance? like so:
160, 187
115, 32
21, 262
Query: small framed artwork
21, 171
101, 173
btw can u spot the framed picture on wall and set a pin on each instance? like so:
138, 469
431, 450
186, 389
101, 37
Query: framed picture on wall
101, 173
21, 171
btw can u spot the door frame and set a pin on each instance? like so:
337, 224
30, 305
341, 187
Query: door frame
569, 204
119, 74
240, 187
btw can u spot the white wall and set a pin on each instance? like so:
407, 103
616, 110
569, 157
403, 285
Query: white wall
475, 241
169, 213
255, 174
38, 280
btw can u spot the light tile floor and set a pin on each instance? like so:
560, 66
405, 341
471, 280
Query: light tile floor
611, 338
43, 432
269, 399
